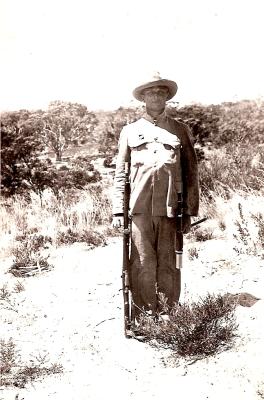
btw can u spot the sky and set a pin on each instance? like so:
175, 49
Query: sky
96, 52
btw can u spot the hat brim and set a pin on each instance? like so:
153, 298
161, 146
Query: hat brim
171, 85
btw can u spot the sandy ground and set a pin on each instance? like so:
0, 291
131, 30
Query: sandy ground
73, 315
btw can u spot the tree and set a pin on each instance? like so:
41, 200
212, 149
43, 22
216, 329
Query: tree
111, 124
20, 145
65, 124
202, 120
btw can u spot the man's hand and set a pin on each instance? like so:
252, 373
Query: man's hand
186, 223
118, 222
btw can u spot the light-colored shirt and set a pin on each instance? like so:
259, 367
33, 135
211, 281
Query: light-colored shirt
162, 164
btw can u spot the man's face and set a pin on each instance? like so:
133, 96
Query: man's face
155, 97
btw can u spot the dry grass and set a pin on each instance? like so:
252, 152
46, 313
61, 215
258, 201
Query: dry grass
245, 224
78, 211
237, 217
85, 216
81, 209
235, 167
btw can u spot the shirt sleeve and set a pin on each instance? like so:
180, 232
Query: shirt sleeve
119, 179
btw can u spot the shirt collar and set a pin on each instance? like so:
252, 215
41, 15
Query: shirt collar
154, 120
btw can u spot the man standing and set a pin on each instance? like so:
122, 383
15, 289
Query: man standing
162, 164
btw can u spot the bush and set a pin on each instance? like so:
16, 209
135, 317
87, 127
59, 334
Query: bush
193, 253
234, 167
109, 162
240, 122
249, 227
76, 175
194, 330
4, 293
259, 220
202, 234
203, 121
28, 255
38, 175
8, 356
91, 237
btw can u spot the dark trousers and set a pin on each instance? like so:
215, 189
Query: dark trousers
152, 262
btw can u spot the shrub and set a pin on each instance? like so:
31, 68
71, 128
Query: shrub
77, 174
8, 356
28, 255
195, 330
232, 168
4, 293
247, 232
241, 121
202, 120
37, 175
259, 220
193, 253
19, 287
202, 234
91, 237
109, 162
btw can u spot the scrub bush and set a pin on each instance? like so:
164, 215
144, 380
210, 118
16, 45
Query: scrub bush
195, 330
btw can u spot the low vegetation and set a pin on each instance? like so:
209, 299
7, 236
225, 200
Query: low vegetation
91, 237
49, 202
195, 330
16, 373
29, 256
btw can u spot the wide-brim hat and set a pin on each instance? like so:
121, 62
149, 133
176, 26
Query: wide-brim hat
156, 80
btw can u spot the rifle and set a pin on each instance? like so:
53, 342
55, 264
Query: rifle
179, 233
128, 318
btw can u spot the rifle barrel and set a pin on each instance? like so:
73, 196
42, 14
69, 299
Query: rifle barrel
199, 221
126, 249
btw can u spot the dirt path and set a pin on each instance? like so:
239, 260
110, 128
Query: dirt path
73, 315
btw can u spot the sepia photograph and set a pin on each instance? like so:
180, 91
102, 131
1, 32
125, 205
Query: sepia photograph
131, 200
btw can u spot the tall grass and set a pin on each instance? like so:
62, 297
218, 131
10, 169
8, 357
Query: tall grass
231, 168
232, 192
77, 211
235, 216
